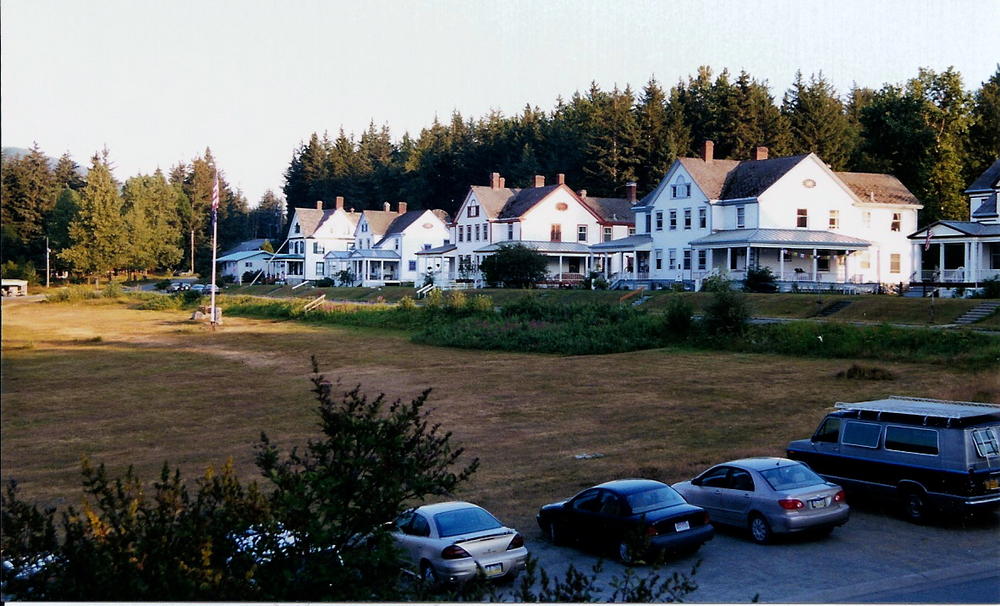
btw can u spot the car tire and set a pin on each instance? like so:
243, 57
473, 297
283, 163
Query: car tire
555, 533
915, 507
429, 576
823, 532
760, 530
626, 553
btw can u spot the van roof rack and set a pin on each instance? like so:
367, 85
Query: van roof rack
925, 407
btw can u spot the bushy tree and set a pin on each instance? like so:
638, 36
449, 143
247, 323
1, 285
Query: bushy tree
97, 234
818, 121
514, 266
727, 314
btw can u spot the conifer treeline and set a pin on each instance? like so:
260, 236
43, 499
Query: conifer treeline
930, 132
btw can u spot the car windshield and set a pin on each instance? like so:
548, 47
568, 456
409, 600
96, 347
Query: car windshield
790, 477
464, 521
657, 498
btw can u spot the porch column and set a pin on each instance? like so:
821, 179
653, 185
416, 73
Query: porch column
746, 262
635, 267
710, 259
560, 269
918, 261
729, 259
968, 260
815, 265
940, 262
781, 263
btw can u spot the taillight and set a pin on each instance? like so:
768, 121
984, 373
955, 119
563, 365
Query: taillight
516, 542
454, 552
840, 497
651, 531
706, 519
791, 504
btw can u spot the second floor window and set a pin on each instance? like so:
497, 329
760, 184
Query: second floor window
607, 234
581, 233
673, 219
473, 211
461, 234
555, 234
631, 230
834, 219
318, 248
687, 218
802, 217
659, 220
741, 217
649, 222
477, 231
681, 188
297, 230
897, 222
702, 218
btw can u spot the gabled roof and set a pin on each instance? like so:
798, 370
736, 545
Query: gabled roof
245, 246
710, 177
987, 209
542, 246
310, 219
612, 210
379, 220
633, 242
493, 200
988, 180
878, 187
752, 178
969, 228
243, 254
439, 250
401, 222
524, 200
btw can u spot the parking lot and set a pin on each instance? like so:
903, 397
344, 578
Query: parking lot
866, 560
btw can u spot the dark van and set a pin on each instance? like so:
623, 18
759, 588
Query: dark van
930, 454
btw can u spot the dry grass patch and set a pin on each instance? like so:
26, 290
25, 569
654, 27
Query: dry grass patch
157, 388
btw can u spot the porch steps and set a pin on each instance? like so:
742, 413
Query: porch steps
832, 308
640, 300
918, 291
979, 312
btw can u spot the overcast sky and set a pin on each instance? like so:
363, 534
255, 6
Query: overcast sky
158, 81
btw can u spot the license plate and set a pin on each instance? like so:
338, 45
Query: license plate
493, 570
682, 526
992, 484
817, 503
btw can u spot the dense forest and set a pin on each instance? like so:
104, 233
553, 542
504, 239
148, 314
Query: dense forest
931, 132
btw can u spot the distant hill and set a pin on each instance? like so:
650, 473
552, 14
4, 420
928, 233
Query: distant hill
17, 152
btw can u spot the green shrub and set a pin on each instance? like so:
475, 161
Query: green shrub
325, 283
726, 314
189, 296
407, 304
866, 373
991, 288
677, 318
434, 299
74, 293
163, 285
112, 290
155, 301
480, 304
760, 279
716, 283
456, 300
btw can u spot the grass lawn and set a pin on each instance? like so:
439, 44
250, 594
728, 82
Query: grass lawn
125, 386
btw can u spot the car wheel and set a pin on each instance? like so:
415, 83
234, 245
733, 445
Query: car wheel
823, 532
760, 530
428, 575
915, 506
626, 554
555, 533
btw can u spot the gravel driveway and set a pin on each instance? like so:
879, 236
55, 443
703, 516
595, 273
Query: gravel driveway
874, 552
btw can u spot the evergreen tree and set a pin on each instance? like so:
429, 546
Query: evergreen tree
67, 173
613, 145
57, 228
153, 227
97, 234
984, 133
657, 148
818, 121
29, 194
268, 218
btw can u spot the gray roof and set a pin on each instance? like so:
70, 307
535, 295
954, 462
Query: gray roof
439, 250
988, 208
286, 257
246, 246
753, 177
337, 254
632, 242
401, 222
542, 246
780, 237
524, 200
970, 228
944, 409
988, 180
493, 200
374, 253
878, 187
611, 210
239, 256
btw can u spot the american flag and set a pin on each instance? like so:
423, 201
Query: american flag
927, 240
215, 193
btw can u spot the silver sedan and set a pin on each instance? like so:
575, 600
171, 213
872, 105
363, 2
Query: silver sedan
455, 541
767, 495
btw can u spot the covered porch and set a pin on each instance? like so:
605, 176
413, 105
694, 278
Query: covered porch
956, 253
568, 262
375, 267
625, 259
285, 268
440, 264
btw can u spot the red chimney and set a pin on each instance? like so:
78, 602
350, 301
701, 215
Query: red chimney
760, 153
630, 188
539, 180
503, 183
385, 206
340, 202
319, 205
402, 207
708, 151
494, 180
561, 179
582, 193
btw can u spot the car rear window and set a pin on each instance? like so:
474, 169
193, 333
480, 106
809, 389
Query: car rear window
986, 442
911, 439
464, 521
657, 498
790, 477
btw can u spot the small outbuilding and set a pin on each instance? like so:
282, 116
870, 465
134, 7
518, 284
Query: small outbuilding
14, 288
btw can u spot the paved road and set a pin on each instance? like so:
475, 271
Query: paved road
875, 557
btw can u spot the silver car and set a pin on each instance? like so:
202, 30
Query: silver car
455, 541
767, 495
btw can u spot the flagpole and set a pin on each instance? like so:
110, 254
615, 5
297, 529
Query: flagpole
215, 233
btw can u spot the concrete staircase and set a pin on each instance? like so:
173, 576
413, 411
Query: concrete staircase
978, 312
832, 308
918, 291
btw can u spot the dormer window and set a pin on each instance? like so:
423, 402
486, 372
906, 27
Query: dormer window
681, 188
297, 230
473, 211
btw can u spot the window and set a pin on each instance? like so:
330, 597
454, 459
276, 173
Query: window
687, 218
672, 259
510, 231
461, 233
911, 439
248, 264
297, 230
395, 243
477, 231
607, 234
364, 227
715, 478
995, 257
986, 442
894, 259
428, 246
659, 259
802, 218
741, 217
631, 230
468, 233
473, 211
413, 265
581, 233
320, 268
318, 248
486, 231
681, 188
829, 431
741, 480
897, 222
702, 259
702, 218
834, 219
862, 434
555, 234
649, 221
673, 219
687, 258
866, 219
823, 263
659, 220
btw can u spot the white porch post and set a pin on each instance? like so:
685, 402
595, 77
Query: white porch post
918, 260
729, 258
941, 262
560, 268
635, 267
781, 263
746, 262
710, 260
967, 259
815, 265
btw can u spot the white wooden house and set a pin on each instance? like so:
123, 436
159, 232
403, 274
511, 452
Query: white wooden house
237, 264
553, 219
811, 226
312, 233
963, 253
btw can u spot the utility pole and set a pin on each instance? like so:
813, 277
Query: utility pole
192, 250
47, 272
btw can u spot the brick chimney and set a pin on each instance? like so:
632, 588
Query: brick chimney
340, 202
319, 205
561, 179
402, 207
539, 180
495, 181
385, 206
630, 188
582, 193
708, 151
503, 183
760, 153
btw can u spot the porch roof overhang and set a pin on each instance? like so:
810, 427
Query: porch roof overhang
637, 242
780, 238
375, 253
437, 251
287, 257
941, 230
544, 247
338, 255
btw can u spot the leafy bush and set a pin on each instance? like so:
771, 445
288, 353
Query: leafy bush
156, 301
74, 293
407, 304
20, 271
163, 285
514, 266
189, 296
677, 318
480, 304
716, 283
726, 314
227, 279
325, 283
248, 276
455, 300
991, 288
346, 277
112, 290
866, 373
760, 279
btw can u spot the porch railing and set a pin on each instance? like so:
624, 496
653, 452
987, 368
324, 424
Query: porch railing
957, 275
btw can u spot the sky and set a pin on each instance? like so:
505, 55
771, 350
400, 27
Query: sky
158, 81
